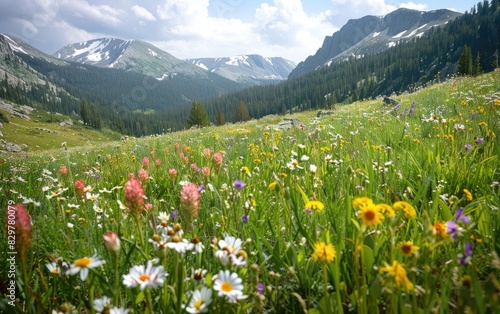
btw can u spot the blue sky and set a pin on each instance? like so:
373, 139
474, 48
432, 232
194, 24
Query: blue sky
293, 29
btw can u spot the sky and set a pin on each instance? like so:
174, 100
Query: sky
292, 29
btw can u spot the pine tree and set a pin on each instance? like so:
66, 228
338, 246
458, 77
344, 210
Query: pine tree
198, 116
241, 114
476, 66
220, 119
465, 61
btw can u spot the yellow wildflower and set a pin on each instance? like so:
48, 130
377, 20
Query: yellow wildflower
316, 206
272, 185
368, 212
406, 207
439, 229
468, 194
386, 210
407, 247
324, 252
397, 271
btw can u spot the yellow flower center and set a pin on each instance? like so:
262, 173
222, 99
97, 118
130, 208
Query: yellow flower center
198, 304
144, 277
226, 287
83, 262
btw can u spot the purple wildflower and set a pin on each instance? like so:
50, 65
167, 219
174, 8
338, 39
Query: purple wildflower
474, 115
453, 229
466, 258
174, 214
260, 288
244, 218
239, 185
468, 146
479, 140
460, 216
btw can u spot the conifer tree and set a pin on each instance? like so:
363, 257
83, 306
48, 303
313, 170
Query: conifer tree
476, 66
198, 116
241, 113
220, 119
465, 61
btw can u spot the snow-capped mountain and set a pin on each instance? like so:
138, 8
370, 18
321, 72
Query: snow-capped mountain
372, 34
248, 68
130, 55
20, 46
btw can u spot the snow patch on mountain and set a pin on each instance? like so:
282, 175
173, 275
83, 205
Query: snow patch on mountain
253, 69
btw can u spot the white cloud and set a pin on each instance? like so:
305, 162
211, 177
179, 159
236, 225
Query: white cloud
414, 6
143, 13
104, 14
343, 10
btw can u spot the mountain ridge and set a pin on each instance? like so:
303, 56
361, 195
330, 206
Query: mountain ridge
372, 34
130, 55
252, 68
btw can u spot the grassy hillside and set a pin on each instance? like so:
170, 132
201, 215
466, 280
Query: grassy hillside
44, 131
370, 209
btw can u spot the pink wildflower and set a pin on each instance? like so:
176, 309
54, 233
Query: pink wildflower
134, 194
111, 241
145, 162
190, 200
205, 171
172, 172
80, 188
143, 175
63, 170
18, 216
157, 163
207, 153
218, 159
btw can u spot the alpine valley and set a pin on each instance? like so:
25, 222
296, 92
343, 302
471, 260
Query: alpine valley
135, 88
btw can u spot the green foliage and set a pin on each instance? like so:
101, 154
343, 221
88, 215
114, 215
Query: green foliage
241, 113
220, 119
3, 118
465, 62
198, 116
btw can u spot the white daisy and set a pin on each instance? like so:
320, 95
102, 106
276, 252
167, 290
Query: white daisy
230, 244
145, 277
83, 265
102, 304
179, 245
53, 268
229, 285
195, 245
200, 300
163, 216
118, 310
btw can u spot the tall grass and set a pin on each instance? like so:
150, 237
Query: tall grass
368, 210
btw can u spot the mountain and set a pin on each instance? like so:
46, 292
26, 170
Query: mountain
125, 99
372, 34
253, 69
129, 55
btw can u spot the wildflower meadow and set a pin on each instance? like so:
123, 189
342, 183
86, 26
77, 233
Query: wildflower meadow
370, 209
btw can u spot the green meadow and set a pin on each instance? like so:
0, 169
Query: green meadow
371, 208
